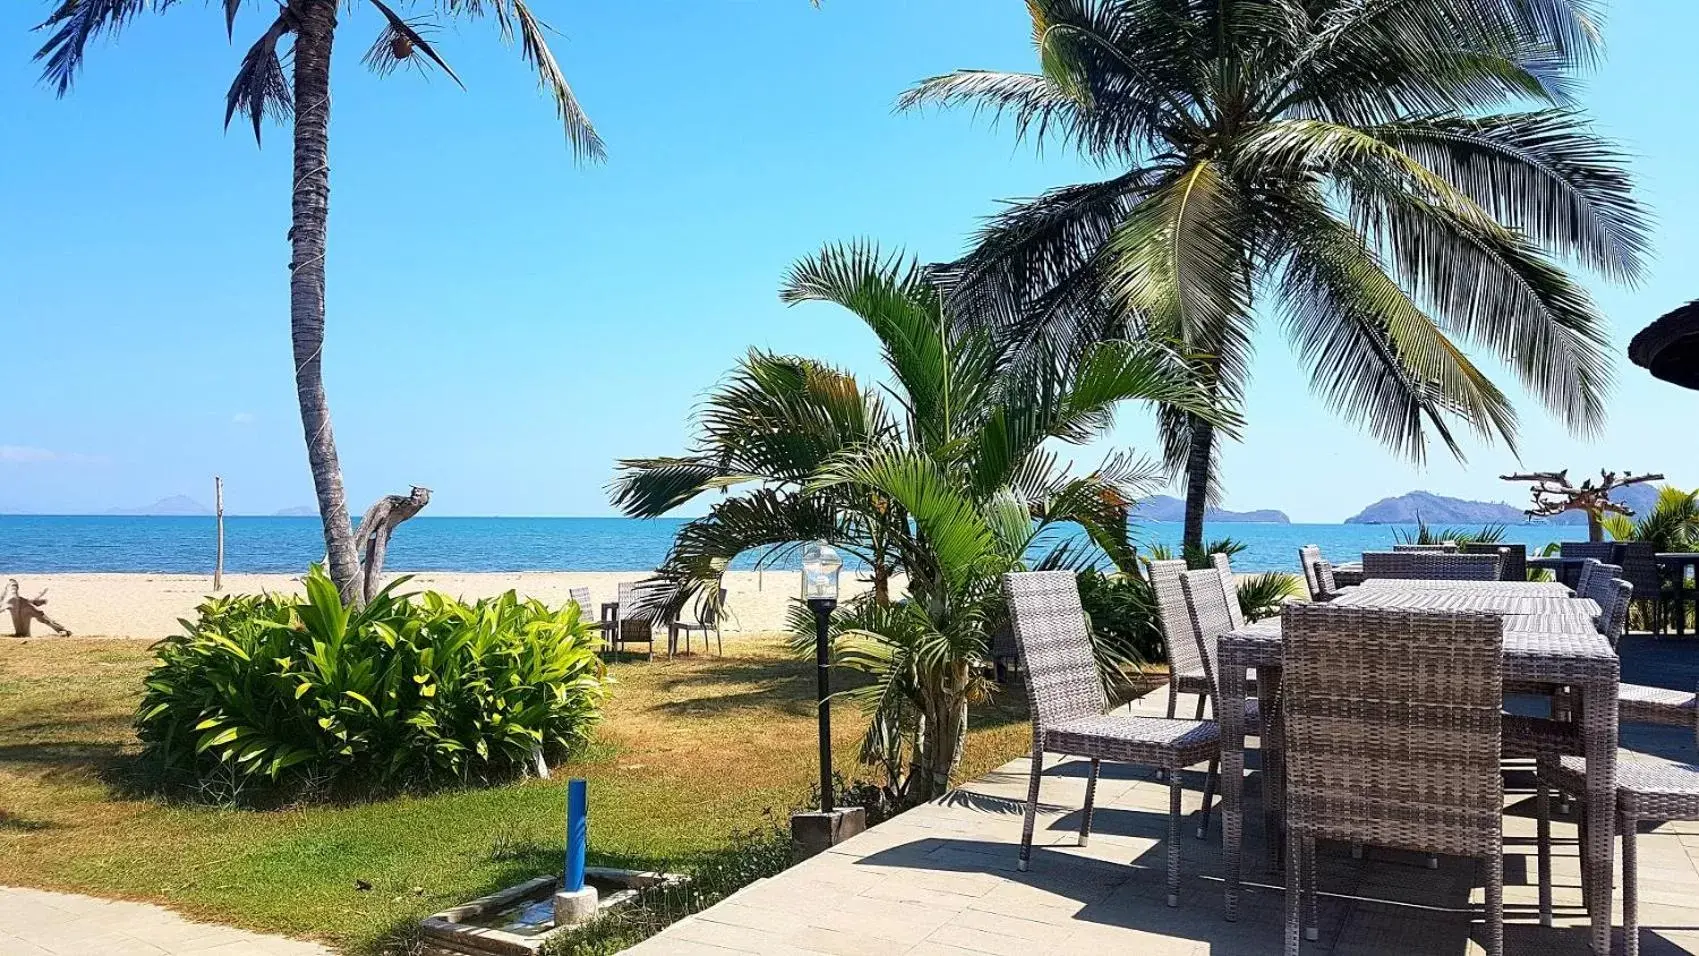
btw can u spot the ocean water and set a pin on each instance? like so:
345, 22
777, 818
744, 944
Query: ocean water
39, 544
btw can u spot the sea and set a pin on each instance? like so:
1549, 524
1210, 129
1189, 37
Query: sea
45, 544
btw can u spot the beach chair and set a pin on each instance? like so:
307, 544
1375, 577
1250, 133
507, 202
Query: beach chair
707, 622
629, 629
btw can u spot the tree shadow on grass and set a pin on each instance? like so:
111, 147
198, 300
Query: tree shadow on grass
63, 761
12, 823
765, 684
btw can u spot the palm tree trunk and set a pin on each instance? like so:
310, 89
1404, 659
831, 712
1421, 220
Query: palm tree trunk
309, 210
1198, 460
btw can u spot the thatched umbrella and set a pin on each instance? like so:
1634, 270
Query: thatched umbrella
1669, 347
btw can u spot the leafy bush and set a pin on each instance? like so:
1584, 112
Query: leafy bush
289, 696
1123, 615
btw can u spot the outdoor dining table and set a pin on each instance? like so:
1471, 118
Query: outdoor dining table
1556, 646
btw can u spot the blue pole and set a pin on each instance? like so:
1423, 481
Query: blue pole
577, 835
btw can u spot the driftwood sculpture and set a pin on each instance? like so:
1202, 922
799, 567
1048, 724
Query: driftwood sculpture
1554, 494
372, 539
25, 611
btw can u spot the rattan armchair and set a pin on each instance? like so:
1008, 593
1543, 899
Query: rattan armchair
1450, 547
1512, 558
1229, 588
1208, 611
1430, 566
587, 613
1392, 739
707, 623
1647, 788
1186, 671
1065, 694
1600, 550
627, 627
1318, 573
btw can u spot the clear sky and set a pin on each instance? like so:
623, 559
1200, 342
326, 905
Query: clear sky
503, 324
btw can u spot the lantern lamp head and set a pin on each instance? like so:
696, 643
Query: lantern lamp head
820, 567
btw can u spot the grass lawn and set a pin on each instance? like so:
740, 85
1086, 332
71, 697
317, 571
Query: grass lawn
691, 751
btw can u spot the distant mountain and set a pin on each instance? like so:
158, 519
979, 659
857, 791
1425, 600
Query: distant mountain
174, 505
298, 511
1436, 509
1442, 510
1170, 508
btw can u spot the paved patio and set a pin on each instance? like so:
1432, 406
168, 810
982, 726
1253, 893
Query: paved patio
39, 923
941, 879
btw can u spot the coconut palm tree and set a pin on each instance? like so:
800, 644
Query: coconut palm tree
1672, 524
294, 85
954, 481
1391, 179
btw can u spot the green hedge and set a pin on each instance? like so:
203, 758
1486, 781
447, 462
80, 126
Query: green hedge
277, 694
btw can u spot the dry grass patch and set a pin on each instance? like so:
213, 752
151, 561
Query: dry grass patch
691, 751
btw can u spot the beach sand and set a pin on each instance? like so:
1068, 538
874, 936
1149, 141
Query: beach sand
148, 605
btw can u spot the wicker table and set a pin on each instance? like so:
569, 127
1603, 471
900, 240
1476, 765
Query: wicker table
1556, 647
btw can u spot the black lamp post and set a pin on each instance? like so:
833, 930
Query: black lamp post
820, 567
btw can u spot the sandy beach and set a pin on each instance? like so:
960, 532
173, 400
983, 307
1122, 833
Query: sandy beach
148, 605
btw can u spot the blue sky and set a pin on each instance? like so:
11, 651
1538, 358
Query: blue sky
503, 324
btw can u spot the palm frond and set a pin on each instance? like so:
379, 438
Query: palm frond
74, 24
1372, 354
516, 22
399, 42
1181, 258
1542, 173
261, 88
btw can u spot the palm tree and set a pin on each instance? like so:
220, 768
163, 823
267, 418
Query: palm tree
296, 86
956, 483
1671, 525
1364, 169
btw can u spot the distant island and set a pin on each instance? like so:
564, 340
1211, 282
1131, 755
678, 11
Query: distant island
1442, 510
174, 505
297, 511
1170, 508
1436, 509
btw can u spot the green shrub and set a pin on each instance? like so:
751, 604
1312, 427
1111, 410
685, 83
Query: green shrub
308, 697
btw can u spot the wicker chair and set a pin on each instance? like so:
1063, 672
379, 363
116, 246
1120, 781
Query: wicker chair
1639, 560
628, 628
1604, 551
1229, 589
1186, 671
1584, 578
1066, 696
1647, 788
1209, 612
707, 623
1318, 573
587, 614
1392, 739
1512, 558
1428, 566
1449, 547
1639, 703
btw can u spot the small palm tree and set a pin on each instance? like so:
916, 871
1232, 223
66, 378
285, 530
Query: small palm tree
955, 484
294, 85
1672, 524
1362, 169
